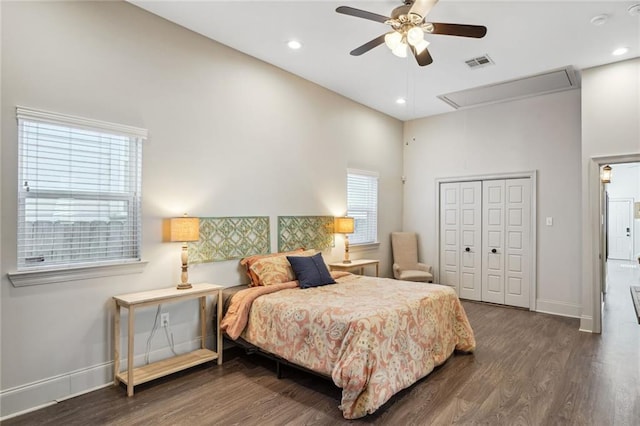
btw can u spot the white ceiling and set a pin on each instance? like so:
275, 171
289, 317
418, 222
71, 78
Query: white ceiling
523, 38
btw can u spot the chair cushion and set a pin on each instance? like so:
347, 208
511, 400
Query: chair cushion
413, 275
405, 249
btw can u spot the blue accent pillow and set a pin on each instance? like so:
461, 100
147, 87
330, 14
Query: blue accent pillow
310, 271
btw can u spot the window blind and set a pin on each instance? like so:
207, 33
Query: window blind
79, 191
362, 205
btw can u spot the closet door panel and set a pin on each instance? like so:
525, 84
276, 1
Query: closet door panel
493, 226
471, 240
485, 237
518, 230
450, 235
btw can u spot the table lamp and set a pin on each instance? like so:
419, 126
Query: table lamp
345, 225
182, 229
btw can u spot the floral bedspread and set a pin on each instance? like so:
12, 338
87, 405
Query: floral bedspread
372, 336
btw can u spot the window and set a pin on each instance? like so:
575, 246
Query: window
79, 191
362, 205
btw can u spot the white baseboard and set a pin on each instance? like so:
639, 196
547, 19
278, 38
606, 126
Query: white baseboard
43, 393
586, 323
558, 308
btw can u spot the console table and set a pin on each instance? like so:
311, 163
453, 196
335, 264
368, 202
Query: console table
355, 264
133, 301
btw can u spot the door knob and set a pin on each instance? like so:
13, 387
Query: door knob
494, 251
467, 249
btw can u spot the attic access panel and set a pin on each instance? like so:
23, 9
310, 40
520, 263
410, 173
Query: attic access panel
548, 82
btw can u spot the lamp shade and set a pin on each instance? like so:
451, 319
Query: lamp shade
181, 229
344, 225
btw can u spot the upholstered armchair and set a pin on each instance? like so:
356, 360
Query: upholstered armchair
405, 258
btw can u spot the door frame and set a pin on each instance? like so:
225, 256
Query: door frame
593, 262
533, 243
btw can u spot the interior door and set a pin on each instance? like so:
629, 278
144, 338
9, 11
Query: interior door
620, 232
449, 235
517, 242
471, 240
493, 225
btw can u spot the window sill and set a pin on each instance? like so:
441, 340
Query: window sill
364, 247
51, 276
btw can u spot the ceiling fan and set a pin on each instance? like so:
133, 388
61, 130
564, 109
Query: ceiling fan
408, 29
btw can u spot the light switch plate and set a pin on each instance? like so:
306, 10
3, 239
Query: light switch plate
549, 221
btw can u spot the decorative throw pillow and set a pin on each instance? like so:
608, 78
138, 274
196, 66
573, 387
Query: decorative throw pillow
310, 271
272, 270
250, 260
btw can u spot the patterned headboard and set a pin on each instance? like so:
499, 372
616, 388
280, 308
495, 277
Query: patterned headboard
311, 232
225, 238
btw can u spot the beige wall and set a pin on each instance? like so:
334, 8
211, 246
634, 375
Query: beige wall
228, 135
541, 134
610, 134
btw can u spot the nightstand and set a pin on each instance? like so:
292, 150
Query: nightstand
358, 264
133, 301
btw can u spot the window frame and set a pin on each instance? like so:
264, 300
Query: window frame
368, 174
83, 269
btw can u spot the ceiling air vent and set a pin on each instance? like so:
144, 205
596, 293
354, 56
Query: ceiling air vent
479, 62
548, 82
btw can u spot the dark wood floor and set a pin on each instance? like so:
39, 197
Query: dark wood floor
529, 369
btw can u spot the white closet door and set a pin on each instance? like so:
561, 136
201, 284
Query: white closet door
517, 237
470, 240
449, 235
493, 225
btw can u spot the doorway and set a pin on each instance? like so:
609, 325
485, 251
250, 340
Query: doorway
620, 241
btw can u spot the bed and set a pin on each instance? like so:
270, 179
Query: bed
372, 336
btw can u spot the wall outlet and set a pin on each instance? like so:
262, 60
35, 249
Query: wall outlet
164, 319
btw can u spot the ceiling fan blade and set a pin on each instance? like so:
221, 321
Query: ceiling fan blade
368, 46
460, 30
358, 13
423, 58
422, 7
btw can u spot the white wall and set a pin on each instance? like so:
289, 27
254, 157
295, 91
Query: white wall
540, 133
610, 134
229, 136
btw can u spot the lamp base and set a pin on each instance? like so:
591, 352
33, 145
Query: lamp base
346, 261
183, 286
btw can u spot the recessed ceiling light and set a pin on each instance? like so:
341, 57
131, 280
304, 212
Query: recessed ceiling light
599, 19
401, 101
294, 44
620, 51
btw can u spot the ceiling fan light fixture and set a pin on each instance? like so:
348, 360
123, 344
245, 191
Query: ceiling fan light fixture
421, 46
400, 50
393, 39
415, 35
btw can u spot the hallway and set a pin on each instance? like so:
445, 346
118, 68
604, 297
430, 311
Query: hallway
618, 308
619, 353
